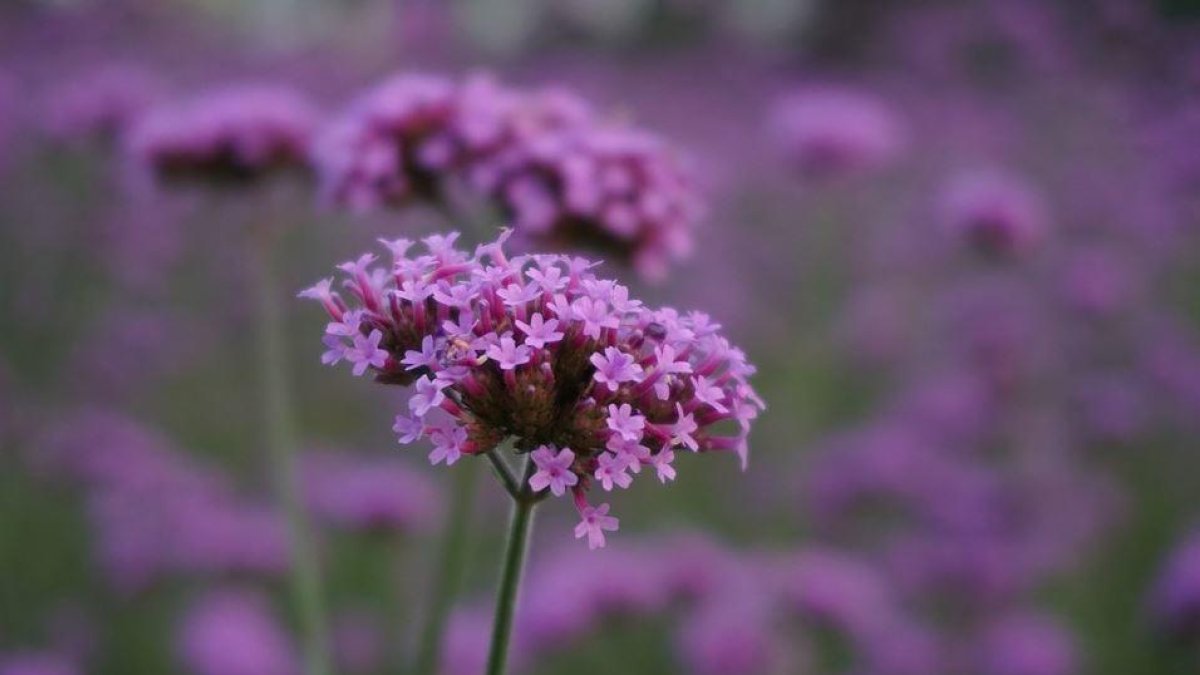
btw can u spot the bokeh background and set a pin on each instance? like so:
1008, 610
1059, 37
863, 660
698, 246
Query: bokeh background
956, 238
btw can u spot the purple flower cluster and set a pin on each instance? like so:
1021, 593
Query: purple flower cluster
994, 212
101, 104
199, 524
234, 632
829, 132
367, 493
560, 174
749, 612
234, 135
591, 384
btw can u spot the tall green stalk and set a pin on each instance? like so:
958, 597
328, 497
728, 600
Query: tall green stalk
515, 548
280, 439
448, 570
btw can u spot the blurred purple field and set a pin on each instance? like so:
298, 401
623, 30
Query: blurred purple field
848, 338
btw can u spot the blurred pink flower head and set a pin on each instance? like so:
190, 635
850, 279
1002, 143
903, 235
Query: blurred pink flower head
1100, 281
995, 212
830, 132
733, 636
235, 135
371, 493
560, 175
101, 104
1025, 643
235, 632
199, 525
451, 325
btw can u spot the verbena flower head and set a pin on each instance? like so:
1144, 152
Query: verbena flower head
231, 136
101, 104
994, 212
830, 132
369, 493
200, 525
596, 387
559, 174
234, 632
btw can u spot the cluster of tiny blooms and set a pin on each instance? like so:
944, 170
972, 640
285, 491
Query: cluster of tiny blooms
994, 212
593, 385
828, 132
560, 174
101, 104
235, 135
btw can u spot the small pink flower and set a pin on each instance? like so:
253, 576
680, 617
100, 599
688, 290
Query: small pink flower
709, 393
427, 357
633, 453
683, 428
622, 421
448, 444
662, 465
366, 352
612, 471
408, 429
594, 521
554, 471
428, 396
595, 316
507, 354
540, 332
614, 367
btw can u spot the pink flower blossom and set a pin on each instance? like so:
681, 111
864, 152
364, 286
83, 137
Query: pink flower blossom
554, 470
586, 368
594, 522
614, 367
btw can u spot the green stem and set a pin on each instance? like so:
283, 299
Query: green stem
510, 577
503, 474
280, 440
450, 563
399, 611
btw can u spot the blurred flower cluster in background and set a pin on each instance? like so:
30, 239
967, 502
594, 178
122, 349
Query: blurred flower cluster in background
957, 239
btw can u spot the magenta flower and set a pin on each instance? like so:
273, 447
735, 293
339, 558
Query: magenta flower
540, 331
366, 353
100, 104
553, 470
614, 367
612, 471
994, 212
588, 383
508, 354
662, 465
233, 632
624, 423
594, 522
448, 444
236, 135
836, 132
559, 173
428, 396
364, 492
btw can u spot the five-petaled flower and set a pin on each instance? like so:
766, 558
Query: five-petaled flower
553, 470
